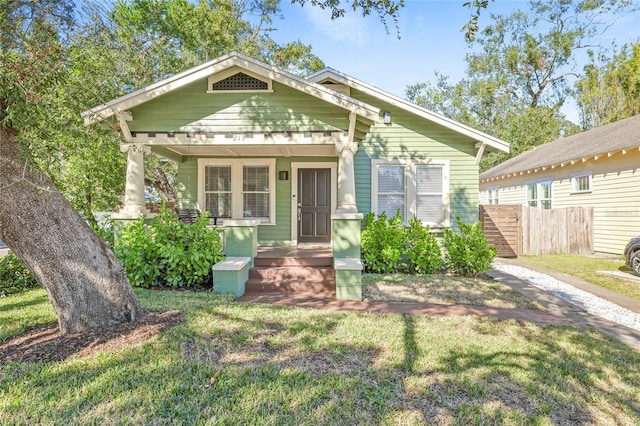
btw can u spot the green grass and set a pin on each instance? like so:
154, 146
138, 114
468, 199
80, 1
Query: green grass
442, 289
290, 366
585, 267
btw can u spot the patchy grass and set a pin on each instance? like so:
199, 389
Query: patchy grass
585, 267
442, 289
22, 310
231, 363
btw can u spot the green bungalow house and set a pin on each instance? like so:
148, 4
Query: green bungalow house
280, 160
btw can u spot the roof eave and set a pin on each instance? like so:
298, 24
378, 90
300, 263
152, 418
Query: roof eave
492, 142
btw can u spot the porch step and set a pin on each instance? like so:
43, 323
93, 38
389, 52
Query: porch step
327, 287
326, 261
292, 273
293, 270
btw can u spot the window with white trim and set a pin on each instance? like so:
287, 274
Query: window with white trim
217, 190
581, 182
493, 195
238, 188
391, 190
415, 188
539, 194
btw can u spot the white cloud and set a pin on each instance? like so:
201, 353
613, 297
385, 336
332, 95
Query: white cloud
351, 28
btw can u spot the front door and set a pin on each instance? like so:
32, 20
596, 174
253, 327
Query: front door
314, 205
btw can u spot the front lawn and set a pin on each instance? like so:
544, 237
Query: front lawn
444, 290
230, 363
585, 267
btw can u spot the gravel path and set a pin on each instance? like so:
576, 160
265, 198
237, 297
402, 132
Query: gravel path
590, 303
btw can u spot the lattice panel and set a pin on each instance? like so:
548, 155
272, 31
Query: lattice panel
240, 81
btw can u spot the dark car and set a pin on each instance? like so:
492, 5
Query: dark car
632, 254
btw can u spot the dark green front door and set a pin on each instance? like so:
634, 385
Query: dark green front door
314, 206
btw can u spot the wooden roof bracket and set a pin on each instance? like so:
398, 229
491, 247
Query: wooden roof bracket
481, 146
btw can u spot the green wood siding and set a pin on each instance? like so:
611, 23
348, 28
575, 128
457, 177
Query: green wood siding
192, 109
412, 138
187, 183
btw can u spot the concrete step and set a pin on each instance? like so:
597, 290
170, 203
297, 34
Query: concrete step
290, 286
288, 273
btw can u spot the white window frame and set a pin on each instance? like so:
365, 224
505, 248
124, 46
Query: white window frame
237, 167
493, 195
410, 188
538, 199
574, 182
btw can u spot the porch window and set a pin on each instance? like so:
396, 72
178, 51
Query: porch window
217, 186
238, 188
418, 189
255, 193
539, 194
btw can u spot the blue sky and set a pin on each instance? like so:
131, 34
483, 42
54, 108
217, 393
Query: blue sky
430, 40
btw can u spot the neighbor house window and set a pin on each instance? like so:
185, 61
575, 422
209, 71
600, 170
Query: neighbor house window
413, 188
493, 196
539, 194
581, 182
238, 188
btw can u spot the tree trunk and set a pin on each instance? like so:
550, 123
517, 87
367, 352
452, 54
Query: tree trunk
85, 283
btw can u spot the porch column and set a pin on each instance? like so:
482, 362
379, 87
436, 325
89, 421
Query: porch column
346, 177
134, 188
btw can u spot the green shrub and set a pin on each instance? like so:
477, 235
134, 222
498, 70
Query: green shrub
422, 248
169, 252
14, 276
467, 251
382, 243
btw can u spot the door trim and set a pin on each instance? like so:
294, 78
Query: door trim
295, 166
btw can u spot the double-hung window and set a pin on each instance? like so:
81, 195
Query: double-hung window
539, 194
414, 188
238, 188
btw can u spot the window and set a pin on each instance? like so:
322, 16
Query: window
493, 196
418, 189
581, 182
539, 194
255, 192
238, 188
217, 188
391, 190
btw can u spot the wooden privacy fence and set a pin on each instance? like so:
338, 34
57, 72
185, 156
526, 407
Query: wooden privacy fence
517, 230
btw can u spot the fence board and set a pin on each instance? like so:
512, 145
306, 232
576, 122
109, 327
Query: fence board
521, 230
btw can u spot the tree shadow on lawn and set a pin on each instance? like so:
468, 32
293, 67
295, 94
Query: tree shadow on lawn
248, 364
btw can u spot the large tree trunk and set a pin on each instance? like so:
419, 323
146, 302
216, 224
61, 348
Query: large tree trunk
85, 283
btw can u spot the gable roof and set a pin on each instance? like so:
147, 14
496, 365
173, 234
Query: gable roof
490, 141
102, 112
621, 135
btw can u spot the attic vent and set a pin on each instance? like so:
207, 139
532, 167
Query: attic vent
338, 87
240, 81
